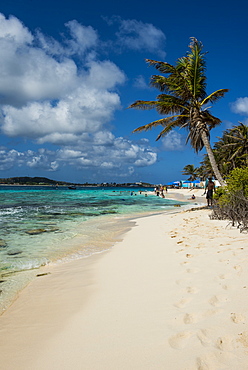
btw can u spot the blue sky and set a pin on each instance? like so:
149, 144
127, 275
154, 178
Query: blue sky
70, 69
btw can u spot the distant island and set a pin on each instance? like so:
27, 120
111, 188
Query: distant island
45, 181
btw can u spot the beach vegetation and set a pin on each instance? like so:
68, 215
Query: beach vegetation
191, 171
184, 101
230, 151
232, 201
232, 148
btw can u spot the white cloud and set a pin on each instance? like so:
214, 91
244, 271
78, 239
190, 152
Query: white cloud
9, 158
108, 156
140, 83
12, 31
136, 35
29, 74
240, 106
42, 159
85, 110
173, 141
103, 138
48, 96
83, 37
140, 36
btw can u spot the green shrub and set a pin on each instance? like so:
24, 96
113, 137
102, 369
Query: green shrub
232, 201
238, 181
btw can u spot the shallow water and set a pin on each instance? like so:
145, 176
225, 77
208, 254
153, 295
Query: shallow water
44, 225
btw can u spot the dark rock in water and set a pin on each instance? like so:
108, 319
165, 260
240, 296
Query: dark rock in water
35, 231
43, 274
3, 244
2, 281
14, 252
40, 231
108, 212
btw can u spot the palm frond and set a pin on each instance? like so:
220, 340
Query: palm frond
210, 120
234, 138
175, 83
154, 124
143, 104
162, 67
170, 126
216, 95
195, 140
159, 82
169, 104
196, 68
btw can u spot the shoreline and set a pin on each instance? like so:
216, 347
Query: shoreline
94, 237
171, 293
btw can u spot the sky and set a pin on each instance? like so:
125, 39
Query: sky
70, 69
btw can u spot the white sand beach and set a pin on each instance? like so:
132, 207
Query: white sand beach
172, 294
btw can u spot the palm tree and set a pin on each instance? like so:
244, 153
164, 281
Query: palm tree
191, 171
237, 144
183, 100
231, 151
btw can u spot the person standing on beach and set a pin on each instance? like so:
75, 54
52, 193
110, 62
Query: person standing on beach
210, 188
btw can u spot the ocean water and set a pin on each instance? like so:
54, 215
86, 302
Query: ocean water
47, 225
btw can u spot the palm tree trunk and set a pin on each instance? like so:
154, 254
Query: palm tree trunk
211, 158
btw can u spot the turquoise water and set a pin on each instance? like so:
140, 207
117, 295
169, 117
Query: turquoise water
44, 225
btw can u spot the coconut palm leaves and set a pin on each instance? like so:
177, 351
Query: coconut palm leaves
232, 147
230, 151
183, 100
191, 171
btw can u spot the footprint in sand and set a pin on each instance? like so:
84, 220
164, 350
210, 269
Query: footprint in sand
184, 263
225, 287
223, 276
217, 300
179, 282
237, 318
180, 340
180, 250
190, 318
224, 260
224, 343
243, 339
238, 268
207, 362
204, 336
192, 290
183, 302
210, 313
192, 271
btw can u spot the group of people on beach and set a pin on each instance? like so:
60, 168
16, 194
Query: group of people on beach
159, 190
209, 191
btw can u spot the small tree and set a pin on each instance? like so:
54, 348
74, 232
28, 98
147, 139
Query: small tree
232, 201
191, 171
